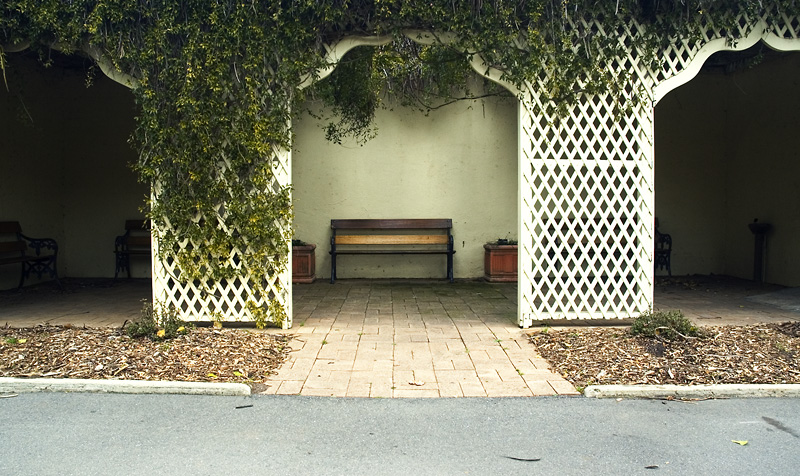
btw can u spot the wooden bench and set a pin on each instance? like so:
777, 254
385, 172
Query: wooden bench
135, 242
403, 236
16, 248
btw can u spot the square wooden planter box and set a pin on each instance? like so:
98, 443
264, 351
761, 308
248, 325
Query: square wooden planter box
500, 263
304, 264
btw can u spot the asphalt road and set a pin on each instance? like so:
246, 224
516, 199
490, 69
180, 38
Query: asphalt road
63, 434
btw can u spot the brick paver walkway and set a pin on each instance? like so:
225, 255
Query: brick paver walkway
412, 339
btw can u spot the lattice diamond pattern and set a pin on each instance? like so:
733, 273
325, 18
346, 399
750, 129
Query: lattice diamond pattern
228, 299
586, 188
586, 192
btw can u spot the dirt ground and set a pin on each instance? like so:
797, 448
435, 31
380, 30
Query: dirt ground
202, 355
768, 353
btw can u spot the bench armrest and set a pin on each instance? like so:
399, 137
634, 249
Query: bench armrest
663, 241
38, 244
121, 242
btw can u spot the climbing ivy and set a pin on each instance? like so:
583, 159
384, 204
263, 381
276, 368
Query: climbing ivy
217, 80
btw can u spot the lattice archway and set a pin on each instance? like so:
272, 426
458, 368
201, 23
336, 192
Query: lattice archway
586, 198
228, 299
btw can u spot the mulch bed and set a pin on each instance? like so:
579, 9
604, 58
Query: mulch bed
767, 353
202, 355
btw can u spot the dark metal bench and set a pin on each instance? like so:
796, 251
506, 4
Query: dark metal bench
396, 236
16, 248
135, 242
662, 255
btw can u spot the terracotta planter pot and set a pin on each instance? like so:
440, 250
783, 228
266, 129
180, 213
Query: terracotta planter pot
500, 263
303, 264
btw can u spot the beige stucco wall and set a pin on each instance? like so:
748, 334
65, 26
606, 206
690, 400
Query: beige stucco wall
65, 156
726, 153
459, 162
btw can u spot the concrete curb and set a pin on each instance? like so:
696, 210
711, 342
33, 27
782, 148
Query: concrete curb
693, 391
28, 385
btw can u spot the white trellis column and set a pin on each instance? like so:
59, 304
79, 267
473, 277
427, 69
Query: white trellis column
586, 180
226, 300
586, 210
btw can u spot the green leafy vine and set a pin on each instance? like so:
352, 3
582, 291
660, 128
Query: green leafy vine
217, 81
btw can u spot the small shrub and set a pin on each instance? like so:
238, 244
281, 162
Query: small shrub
667, 325
158, 322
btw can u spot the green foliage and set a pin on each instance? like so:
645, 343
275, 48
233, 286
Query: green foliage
217, 80
667, 325
351, 96
274, 313
404, 73
157, 322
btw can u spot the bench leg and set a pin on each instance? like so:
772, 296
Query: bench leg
39, 267
21, 276
117, 267
55, 276
333, 267
123, 263
450, 267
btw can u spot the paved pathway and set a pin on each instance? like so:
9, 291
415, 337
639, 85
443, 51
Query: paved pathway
412, 339
723, 300
398, 338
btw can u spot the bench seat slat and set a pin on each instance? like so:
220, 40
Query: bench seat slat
392, 252
26, 258
392, 239
13, 259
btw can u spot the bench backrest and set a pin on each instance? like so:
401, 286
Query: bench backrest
137, 233
379, 225
137, 225
10, 241
393, 224
10, 227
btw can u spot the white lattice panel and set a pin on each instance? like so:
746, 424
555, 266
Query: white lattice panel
226, 300
586, 212
586, 180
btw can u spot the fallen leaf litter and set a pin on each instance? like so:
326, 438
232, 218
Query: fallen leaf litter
767, 354
203, 355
